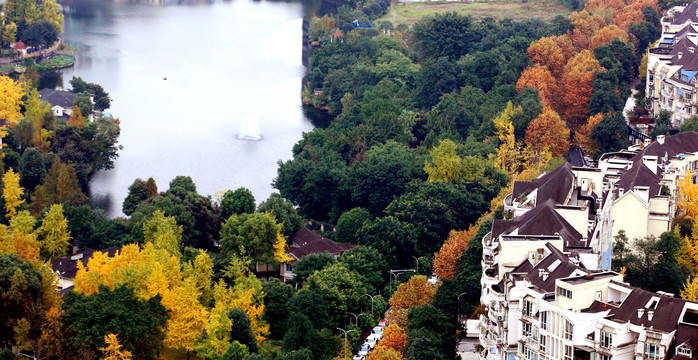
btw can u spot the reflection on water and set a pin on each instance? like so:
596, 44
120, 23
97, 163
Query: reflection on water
222, 61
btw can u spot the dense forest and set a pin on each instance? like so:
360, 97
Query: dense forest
430, 125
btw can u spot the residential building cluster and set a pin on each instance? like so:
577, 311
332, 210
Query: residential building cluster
672, 65
547, 283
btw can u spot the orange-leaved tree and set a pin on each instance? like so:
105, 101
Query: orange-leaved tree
446, 260
581, 136
606, 35
384, 353
415, 291
546, 52
576, 83
540, 78
548, 130
394, 337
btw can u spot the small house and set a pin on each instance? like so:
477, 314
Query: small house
61, 101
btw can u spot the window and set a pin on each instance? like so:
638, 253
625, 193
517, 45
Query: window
564, 293
651, 351
568, 352
544, 320
606, 339
527, 308
683, 350
530, 354
605, 357
289, 267
543, 343
527, 329
569, 329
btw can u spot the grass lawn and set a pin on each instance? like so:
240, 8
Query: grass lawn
410, 13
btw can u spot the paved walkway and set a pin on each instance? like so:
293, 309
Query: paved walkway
466, 349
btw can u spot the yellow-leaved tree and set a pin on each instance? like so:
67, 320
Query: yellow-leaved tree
114, 350
509, 151
162, 231
687, 197
447, 165
10, 100
12, 193
53, 234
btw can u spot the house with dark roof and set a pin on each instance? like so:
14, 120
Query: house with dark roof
554, 308
304, 242
65, 267
672, 65
61, 101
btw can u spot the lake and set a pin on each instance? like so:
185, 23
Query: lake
207, 89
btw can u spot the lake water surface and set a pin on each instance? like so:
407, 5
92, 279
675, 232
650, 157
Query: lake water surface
231, 68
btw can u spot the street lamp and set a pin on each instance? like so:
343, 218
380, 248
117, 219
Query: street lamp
416, 260
396, 274
372, 296
356, 318
345, 339
458, 301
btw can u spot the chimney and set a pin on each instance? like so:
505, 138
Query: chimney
680, 54
650, 314
76, 246
660, 139
640, 312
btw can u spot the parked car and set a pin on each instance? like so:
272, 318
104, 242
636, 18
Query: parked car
371, 340
378, 331
363, 350
383, 323
358, 357
433, 279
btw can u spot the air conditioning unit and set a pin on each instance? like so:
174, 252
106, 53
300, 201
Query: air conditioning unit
505, 325
499, 341
500, 318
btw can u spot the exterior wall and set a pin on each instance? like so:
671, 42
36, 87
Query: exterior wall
630, 214
513, 253
585, 293
578, 218
594, 177
64, 283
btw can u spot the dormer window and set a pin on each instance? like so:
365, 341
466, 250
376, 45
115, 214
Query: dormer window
683, 350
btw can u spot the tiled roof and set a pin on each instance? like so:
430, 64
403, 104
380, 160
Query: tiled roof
688, 14
557, 265
555, 185
541, 220
640, 175
684, 142
61, 98
306, 241
687, 334
667, 310
67, 268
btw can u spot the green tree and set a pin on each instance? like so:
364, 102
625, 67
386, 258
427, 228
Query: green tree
396, 240
447, 35
383, 175
309, 264
94, 228
276, 308
240, 201
137, 193
53, 234
20, 293
50, 11
611, 133
368, 262
342, 289
241, 330
139, 324
250, 235
431, 334
84, 102
310, 304
446, 165
284, 212
691, 124
349, 223
662, 123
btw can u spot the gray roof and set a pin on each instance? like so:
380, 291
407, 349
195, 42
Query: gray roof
541, 220
688, 14
555, 185
640, 175
64, 99
67, 268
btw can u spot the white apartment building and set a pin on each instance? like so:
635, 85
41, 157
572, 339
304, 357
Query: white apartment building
672, 65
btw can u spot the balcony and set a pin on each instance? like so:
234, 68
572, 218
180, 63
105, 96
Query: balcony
488, 259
